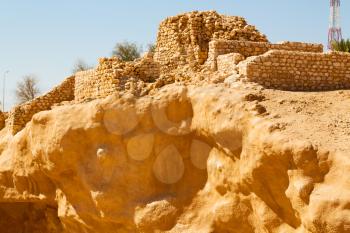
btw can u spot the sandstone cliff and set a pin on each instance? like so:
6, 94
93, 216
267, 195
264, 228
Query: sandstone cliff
215, 154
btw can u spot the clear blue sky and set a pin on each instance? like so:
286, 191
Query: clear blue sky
45, 38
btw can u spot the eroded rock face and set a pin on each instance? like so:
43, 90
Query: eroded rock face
2, 120
201, 152
188, 159
29, 217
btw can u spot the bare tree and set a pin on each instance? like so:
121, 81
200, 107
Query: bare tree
27, 89
80, 65
127, 51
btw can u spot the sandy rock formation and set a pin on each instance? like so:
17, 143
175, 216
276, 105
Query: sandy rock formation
188, 159
2, 120
220, 155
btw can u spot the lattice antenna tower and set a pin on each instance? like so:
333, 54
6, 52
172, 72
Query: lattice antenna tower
334, 33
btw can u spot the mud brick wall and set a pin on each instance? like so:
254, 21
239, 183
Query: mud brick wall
184, 39
113, 75
22, 114
299, 71
248, 48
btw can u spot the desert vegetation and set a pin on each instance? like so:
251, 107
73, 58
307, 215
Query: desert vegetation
27, 89
342, 45
127, 51
80, 65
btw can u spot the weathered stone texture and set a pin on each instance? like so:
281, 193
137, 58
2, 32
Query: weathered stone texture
2, 120
199, 40
304, 71
22, 114
226, 63
113, 75
185, 38
249, 48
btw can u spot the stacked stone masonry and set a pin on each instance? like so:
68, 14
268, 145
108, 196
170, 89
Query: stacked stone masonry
248, 48
184, 39
113, 75
227, 63
22, 114
199, 40
299, 71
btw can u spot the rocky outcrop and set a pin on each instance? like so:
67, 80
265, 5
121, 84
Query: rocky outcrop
188, 159
132, 149
2, 120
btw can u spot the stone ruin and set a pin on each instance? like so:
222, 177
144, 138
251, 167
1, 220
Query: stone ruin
199, 41
184, 39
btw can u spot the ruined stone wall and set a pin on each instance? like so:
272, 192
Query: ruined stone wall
22, 114
303, 71
113, 75
193, 39
184, 39
248, 48
227, 63
89, 86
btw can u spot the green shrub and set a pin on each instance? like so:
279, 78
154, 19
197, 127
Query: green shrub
341, 46
127, 51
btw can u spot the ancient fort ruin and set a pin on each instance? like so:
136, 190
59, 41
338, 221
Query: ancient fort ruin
199, 41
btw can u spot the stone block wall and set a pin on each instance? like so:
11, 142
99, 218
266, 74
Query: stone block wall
188, 41
113, 75
299, 71
184, 39
249, 48
88, 85
227, 63
22, 114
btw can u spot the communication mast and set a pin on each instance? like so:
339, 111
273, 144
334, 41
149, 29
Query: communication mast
334, 33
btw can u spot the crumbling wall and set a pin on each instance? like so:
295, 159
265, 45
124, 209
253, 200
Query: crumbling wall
184, 39
193, 39
303, 71
22, 114
227, 63
113, 75
89, 86
249, 48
